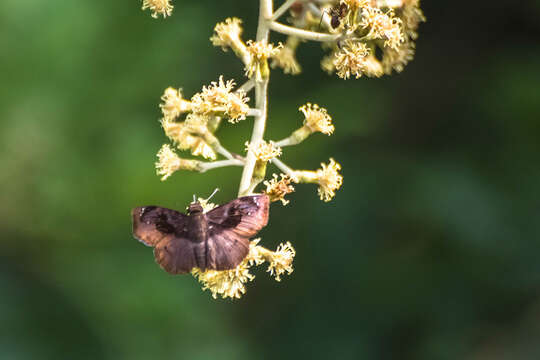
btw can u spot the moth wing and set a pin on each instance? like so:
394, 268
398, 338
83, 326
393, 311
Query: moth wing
226, 249
152, 224
177, 255
230, 226
244, 216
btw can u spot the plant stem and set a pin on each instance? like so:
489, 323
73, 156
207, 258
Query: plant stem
303, 34
247, 86
253, 112
281, 10
205, 166
261, 98
286, 170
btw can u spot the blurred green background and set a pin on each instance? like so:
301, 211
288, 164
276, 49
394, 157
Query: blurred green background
431, 249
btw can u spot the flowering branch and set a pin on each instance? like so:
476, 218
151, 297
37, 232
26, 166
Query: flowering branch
364, 37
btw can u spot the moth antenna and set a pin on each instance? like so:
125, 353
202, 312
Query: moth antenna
214, 193
322, 16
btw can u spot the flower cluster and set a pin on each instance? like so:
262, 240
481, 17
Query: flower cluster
231, 283
366, 29
218, 99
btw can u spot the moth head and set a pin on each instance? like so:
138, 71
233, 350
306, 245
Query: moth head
195, 208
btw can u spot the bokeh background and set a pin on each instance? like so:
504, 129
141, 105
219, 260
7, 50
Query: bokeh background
431, 249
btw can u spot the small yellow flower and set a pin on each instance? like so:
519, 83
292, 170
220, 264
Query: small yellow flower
168, 162
218, 99
397, 59
328, 178
227, 283
260, 52
373, 67
190, 135
173, 104
317, 119
350, 60
277, 189
228, 34
281, 261
382, 26
206, 205
286, 58
327, 63
158, 7
412, 16
264, 151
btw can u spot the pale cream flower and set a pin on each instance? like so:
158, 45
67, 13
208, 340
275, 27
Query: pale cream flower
228, 34
173, 103
231, 283
317, 119
277, 189
190, 135
327, 177
168, 162
412, 16
329, 180
384, 26
226, 283
398, 59
264, 151
286, 60
260, 52
327, 63
373, 67
219, 99
158, 7
350, 60
281, 261
206, 205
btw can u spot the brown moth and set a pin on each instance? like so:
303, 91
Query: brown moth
216, 240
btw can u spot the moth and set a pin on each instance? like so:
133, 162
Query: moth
215, 240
